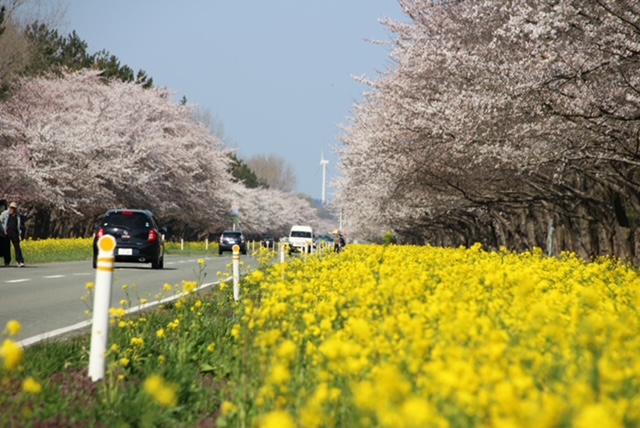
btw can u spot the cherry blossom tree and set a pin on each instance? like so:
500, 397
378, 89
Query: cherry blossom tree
496, 119
271, 212
79, 144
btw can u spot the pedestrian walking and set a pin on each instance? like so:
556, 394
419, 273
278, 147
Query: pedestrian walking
13, 229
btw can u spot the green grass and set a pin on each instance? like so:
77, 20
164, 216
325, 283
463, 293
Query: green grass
69, 397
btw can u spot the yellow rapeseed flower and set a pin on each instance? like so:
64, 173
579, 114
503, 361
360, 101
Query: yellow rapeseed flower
31, 386
596, 416
235, 330
277, 419
287, 350
12, 354
228, 408
13, 328
90, 286
161, 333
162, 392
189, 286
280, 374
117, 312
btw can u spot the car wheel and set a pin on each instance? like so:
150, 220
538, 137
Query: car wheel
158, 263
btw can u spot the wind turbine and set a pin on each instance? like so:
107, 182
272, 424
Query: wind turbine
323, 164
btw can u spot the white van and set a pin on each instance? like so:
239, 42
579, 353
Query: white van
301, 238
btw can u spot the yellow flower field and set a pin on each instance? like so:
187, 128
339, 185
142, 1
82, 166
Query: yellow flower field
375, 336
54, 250
403, 336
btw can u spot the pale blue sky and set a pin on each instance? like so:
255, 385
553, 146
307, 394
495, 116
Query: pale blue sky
277, 74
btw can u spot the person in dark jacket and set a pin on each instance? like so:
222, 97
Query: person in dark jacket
13, 229
338, 241
4, 241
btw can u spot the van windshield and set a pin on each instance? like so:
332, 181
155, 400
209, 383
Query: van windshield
300, 234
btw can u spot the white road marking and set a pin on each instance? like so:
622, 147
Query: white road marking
60, 331
54, 276
19, 280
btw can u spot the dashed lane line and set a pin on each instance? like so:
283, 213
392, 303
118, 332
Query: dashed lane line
12, 281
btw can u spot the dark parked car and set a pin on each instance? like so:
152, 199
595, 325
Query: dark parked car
323, 241
268, 242
139, 237
229, 238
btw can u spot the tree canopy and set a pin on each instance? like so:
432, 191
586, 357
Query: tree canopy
78, 144
497, 121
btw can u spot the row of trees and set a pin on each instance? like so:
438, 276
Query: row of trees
79, 134
500, 122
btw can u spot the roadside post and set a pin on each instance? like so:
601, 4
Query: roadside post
236, 272
282, 249
101, 304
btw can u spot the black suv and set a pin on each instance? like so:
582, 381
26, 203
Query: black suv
229, 238
139, 238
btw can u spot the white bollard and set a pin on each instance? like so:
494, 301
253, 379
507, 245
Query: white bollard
182, 244
236, 272
282, 248
206, 243
101, 305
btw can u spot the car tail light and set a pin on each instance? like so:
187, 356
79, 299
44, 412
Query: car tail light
153, 236
100, 233
127, 212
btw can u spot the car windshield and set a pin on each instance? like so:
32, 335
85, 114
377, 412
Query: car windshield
130, 221
300, 234
232, 234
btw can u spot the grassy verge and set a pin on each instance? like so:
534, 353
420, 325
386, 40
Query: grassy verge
169, 366
166, 368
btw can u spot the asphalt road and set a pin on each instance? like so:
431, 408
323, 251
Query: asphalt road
47, 299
